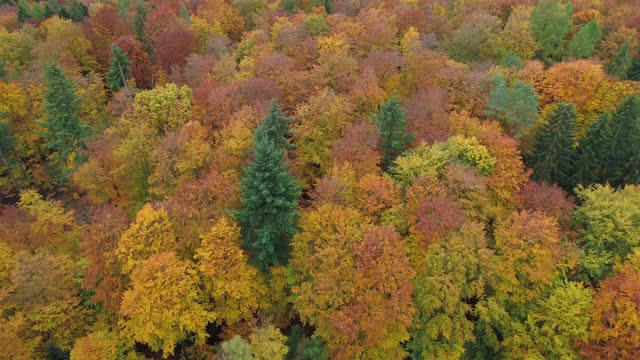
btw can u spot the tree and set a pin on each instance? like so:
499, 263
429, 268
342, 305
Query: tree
553, 153
276, 126
615, 315
269, 201
624, 144
150, 233
163, 108
65, 133
586, 40
621, 62
99, 345
453, 274
591, 153
164, 305
634, 68
235, 287
9, 153
550, 23
515, 107
608, 226
338, 267
236, 349
119, 72
268, 343
392, 122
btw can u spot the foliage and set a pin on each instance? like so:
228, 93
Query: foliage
164, 304
585, 41
515, 107
392, 122
119, 72
550, 23
163, 108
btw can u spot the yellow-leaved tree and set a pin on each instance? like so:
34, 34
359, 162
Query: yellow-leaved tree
164, 305
235, 288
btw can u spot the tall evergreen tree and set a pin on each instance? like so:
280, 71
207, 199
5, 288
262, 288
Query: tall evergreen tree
65, 132
184, 14
619, 66
138, 26
585, 41
550, 23
51, 8
392, 123
23, 10
119, 71
269, 200
8, 153
276, 124
624, 143
516, 108
634, 69
591, 153
553, 152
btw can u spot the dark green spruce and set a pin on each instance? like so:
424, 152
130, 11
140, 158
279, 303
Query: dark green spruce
268, 212
553, 152
392, 123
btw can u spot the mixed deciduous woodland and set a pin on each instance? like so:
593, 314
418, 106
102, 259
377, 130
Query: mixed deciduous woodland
319, 179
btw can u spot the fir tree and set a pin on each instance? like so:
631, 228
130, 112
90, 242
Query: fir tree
276, 125
65, 132
624, 143
23, 10
619, 66
51, 8
269, 202
634, 69
591, 152
138, 25
585, 41
516, 108
75, 11
553, 152
8, 152
3, 71
392, 123
119, 71
184, 14
550, 23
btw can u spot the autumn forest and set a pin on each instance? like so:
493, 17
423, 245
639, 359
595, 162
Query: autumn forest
319, 179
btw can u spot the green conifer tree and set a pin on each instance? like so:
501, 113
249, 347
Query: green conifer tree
65, 132
269, 201
634, 69
591, 152
619, 66
585, 41
119, 71
624, 143
392, 123
8, 153
550, 23
276, 124
184, 14
516, 108
553, 152
23, 10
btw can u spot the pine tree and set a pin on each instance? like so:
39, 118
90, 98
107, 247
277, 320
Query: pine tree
75, 10
553, 152
119, 71
550, 23
585, 41
65, 132
624, 143
634, 69
138, 25
619, 66
591, 152
51, 8
269, 202
3, 71
276, 124
392, 123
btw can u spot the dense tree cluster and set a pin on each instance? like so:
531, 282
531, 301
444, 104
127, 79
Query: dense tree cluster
319, 179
